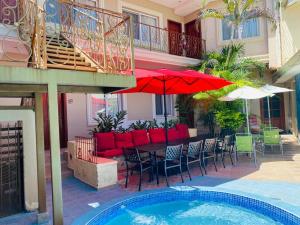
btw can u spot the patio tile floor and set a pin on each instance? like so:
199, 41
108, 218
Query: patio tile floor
277, 178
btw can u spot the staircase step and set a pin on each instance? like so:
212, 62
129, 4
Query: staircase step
68, 67
68, 57
60, 48
55, 38
59, 44
49, 50
67, 62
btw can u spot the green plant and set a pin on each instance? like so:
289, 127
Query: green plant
152, 124
236, 13
170, 124
139, 125
230, 119
185, 105
108, 123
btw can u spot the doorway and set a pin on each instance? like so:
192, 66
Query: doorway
175, 38
193, 40
62, 117
276, 111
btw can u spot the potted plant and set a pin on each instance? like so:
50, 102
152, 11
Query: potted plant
229, 120
108, 123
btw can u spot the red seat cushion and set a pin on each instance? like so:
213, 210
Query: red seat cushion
110, 153
157, 135
183, 130
140, 137
105, 141
123, 140
173, 134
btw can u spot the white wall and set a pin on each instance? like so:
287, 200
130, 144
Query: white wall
29, 151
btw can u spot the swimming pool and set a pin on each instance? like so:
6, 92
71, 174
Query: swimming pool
190, 207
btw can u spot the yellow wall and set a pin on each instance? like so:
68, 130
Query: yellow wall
211, 31
290, 31
29, 150
145, 6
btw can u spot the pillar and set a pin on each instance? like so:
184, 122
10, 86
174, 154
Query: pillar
57, 202
40, 152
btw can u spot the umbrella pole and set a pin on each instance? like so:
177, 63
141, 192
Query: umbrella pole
165, 113
247, 115
269, 111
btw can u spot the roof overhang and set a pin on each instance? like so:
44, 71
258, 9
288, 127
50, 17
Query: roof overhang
289, 70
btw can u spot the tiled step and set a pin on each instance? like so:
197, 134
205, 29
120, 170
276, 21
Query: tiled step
67, 62
62, 52
52, 55
72, 67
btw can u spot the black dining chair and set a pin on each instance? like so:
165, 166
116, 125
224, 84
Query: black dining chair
209, 152
172, 159
228, 147
134, 162
193, 155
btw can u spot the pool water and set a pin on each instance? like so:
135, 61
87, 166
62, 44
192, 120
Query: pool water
191, 213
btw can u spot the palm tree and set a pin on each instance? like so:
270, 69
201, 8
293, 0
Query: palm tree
230, 64
236, 13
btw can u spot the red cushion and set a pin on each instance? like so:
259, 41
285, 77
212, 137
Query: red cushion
110, 153
173, 134
140, 137
157, 135
183, 130
105, 141
123, 140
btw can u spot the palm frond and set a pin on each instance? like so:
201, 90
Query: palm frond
265, 13
248, 4
211, 13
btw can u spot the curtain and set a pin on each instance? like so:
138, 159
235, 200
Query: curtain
135, 23
159, 104
146, 31
251, 28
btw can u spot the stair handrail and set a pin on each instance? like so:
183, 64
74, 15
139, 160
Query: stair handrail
105, 38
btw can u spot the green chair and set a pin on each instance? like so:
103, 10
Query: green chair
271, 137
244, 144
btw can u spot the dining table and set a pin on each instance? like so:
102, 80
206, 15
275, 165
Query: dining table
158, 149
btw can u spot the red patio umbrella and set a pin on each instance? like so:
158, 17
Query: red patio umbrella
166, 81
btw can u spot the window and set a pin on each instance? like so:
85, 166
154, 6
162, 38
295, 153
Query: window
159, 104
250, 29
109, 104
143, 25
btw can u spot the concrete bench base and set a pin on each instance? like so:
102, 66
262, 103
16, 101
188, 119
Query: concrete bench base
101, 174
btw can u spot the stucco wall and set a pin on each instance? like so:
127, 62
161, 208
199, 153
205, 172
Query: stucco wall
163, 13
211, 32
290, 31
77, 115
29, 150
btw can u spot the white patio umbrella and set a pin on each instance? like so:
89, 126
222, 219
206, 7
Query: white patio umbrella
273, 90
246, 93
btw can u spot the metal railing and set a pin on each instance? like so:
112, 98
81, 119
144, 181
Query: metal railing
85, 149
163, 40
100, 35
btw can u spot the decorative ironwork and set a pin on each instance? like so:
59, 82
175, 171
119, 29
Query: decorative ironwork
11, 168
85, 149
67, 33
163, 40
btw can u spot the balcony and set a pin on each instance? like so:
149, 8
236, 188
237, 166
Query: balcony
66, 35
166, 41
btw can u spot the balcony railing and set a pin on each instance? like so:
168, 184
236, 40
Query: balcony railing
103, 37
162, 40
